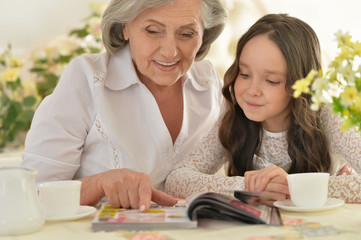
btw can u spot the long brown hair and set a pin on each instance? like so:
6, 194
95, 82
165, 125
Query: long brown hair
241, 137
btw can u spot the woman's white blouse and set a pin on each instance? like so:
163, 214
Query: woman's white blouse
100, 117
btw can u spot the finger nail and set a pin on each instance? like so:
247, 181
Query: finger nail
142, 208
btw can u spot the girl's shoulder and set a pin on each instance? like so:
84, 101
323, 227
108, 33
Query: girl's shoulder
329, 119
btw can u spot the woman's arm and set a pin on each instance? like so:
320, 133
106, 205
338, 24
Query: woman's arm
54, 143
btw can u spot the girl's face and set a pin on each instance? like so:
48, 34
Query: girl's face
260, 88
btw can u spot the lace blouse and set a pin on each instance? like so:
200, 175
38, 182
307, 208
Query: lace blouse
196, 172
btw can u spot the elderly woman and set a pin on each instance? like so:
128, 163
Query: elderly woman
119, 121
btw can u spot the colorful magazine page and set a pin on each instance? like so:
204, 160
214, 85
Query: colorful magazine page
157, 218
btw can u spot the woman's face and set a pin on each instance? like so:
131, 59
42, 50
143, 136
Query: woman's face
164, 41
260, 88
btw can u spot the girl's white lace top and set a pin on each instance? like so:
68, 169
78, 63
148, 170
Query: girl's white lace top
197, 172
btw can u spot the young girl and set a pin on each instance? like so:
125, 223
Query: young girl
265, 132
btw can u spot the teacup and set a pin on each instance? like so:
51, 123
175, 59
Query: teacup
308, 189
60, 198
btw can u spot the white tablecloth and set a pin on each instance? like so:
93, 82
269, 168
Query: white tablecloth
341, 223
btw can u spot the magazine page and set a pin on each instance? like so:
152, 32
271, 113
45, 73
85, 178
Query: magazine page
156, 218
225, 207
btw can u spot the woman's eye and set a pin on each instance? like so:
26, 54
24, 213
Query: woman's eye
187, 35
152, 31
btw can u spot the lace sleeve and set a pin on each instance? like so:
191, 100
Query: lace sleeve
196, 172
346, 187
346, 143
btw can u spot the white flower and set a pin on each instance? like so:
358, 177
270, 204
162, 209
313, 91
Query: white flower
97, 8
94, 27
347, 73
62, 46
320, 83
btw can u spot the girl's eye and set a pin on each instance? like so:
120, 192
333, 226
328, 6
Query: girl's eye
244, 75
272, 82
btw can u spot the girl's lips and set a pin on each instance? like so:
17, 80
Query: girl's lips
253, 105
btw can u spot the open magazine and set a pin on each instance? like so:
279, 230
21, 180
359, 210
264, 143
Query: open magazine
242, 207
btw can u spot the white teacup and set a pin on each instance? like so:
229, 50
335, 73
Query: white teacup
60, 198
308, 189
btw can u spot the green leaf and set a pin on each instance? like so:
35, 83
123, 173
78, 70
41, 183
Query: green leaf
94, 50
12, 114
37, 69
337, 106
29, 101
81, 33
28, 117
19, 125
79, 51
45, 88
51, 77
64, 59
14, 85
358, 84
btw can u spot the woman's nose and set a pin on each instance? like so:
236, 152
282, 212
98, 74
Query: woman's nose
168, 47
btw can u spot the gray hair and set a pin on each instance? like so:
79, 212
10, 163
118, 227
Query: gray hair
121, 12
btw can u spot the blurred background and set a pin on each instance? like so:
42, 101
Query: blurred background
30, 24
41, 46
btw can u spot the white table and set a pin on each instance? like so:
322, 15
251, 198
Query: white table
340, 223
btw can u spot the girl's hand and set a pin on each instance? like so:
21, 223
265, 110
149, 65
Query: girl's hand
257, 180
276, 190
271, 181
346, 170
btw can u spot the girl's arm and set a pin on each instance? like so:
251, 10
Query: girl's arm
348, 145
346, 187
196, 172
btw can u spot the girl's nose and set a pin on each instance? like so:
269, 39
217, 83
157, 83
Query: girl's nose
254, 88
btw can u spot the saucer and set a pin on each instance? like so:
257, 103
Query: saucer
288, 205
82, 212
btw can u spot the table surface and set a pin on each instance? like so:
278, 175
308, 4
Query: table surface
341, 223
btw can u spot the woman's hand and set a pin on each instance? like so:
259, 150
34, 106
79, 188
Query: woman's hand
271, 180
124, 188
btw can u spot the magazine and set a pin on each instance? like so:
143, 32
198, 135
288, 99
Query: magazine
157, 217
241, 207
